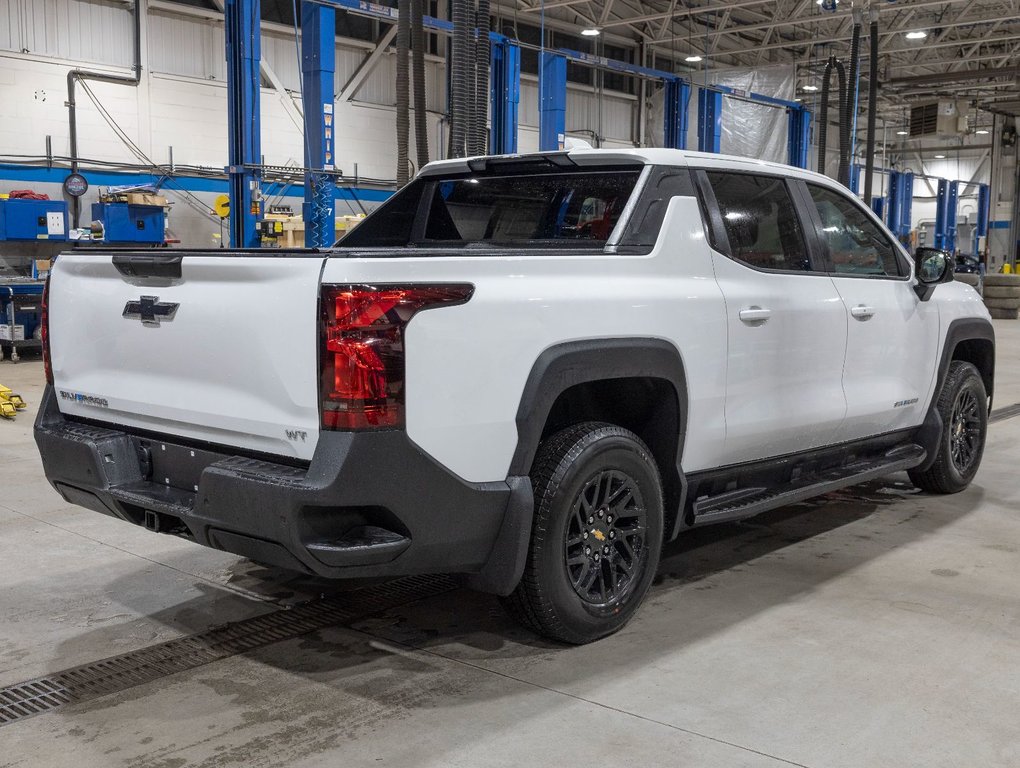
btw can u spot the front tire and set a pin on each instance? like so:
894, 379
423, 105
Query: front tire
596, 537
963, 406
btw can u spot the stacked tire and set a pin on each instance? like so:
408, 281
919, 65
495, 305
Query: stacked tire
1002, 296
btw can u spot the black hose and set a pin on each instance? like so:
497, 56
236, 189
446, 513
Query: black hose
823, 114
403, 88
844, 118
72, 115
421, 132
479, 127
851, 102
459, 77
869, 157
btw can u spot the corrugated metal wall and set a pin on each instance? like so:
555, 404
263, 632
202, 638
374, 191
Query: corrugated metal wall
181, 45
583, 112
79, 30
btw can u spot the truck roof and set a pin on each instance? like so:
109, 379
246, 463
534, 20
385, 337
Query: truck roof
646, 156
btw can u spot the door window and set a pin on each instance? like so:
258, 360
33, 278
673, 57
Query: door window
857, 245
760, 221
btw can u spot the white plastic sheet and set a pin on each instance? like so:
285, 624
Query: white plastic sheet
748, 129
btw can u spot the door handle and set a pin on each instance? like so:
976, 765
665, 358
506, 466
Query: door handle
755, 315
862, 312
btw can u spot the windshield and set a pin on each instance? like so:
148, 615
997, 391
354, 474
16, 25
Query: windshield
521, 210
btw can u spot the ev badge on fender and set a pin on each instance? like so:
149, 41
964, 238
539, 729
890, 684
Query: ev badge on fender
150, 310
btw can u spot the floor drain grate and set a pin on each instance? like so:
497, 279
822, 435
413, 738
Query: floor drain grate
1006, 412
118, 673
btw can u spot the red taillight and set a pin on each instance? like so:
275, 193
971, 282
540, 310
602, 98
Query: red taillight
362, 349
45, 332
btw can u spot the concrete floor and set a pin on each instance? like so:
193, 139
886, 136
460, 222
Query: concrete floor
873, 627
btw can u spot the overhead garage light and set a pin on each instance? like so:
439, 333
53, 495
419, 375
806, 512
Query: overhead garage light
917, 34
981, 132
902, 133
693, 59
591, 32
940, 157
809, 87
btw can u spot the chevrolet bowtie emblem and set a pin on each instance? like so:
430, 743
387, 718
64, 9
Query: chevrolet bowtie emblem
599, 535
150, 310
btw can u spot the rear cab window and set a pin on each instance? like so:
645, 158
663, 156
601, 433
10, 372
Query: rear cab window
522, 209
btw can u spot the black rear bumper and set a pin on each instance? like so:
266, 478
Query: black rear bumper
370, 504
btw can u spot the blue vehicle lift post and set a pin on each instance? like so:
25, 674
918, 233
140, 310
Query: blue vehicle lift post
945, 215
552, 115
242, 20
981, 225
709, 120
798, 134
505, 95
675, 113
318, 62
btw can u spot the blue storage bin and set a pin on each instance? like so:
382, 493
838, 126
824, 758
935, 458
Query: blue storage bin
33, 220
126, 223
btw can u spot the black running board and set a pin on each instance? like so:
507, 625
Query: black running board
747, 502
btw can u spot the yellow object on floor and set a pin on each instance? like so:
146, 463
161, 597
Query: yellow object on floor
10, 403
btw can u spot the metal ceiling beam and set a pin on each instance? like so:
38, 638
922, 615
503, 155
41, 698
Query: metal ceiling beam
711, 8
955, 77
888, 52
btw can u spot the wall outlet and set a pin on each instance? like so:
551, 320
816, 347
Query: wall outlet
55, 223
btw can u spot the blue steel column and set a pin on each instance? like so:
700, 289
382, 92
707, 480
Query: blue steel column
552, 115
709, 120
981, 225
951, 211
243, 34
892, 210
505, 95
675, 114
906, 206
798, 136
318, 61
941, 214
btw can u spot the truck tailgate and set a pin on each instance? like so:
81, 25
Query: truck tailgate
234, 363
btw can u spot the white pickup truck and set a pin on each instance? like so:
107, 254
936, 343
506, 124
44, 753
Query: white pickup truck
531, 370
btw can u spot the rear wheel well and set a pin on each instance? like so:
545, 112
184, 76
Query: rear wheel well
647, 406
981, 354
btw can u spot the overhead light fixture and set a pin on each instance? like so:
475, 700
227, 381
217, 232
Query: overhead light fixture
797, 98
981, 132
917, 34
591, 32
940, 157
902, 133
810, 88
693, 59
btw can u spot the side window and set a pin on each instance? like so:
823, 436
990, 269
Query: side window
760, 221
857, 246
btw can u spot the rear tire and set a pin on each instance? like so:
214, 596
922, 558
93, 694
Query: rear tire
596, 537
963, 406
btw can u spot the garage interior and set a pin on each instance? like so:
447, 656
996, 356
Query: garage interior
872, 626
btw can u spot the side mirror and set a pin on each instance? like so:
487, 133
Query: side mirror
931, 267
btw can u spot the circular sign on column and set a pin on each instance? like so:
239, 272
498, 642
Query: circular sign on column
76, 185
